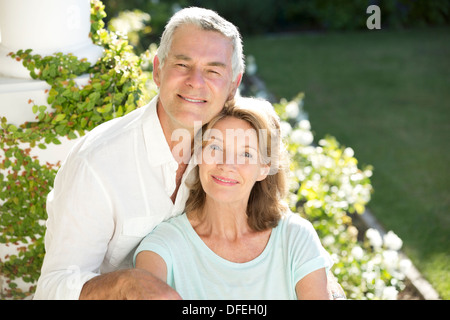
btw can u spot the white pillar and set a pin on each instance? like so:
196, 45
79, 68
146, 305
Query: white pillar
46, 27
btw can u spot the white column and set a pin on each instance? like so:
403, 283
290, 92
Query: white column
46, 27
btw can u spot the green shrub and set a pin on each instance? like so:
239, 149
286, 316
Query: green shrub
326, 186
117, 85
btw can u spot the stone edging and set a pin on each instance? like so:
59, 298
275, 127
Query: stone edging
424, 288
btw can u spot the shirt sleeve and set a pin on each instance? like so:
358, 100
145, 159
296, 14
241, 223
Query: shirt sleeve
79, 226
306, 252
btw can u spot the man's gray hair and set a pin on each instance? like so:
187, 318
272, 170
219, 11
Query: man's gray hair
206, 20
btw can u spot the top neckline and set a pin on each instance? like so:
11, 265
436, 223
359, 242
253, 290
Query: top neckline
210, 253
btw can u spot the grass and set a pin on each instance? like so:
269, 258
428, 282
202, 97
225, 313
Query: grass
386, 94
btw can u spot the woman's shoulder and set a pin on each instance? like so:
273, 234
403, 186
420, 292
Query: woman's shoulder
292, 225
169, 229
294, 221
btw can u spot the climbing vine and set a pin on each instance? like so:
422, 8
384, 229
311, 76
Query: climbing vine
80, 97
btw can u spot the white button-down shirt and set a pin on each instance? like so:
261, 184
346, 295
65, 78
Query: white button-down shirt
111, 191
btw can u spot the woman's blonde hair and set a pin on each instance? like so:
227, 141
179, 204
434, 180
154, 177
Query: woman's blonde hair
266, 202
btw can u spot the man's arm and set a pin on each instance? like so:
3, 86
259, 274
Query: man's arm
334, 288
79, 227
128, 284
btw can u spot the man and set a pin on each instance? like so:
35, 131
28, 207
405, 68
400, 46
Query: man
122, 179
127, 175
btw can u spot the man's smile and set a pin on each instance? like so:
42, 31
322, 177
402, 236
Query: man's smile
193, 100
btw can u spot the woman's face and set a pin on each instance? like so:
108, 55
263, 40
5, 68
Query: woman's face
230, 163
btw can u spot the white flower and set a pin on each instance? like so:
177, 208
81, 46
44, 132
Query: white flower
369, 276
285, 128
349, 152
357, 253
368, 173
374, 238
390, 258
328, 240
392, 241
302, 137
314, 203
404, 265
389, 293
292, 110
304, 125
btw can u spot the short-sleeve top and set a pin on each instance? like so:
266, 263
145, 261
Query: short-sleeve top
196, 272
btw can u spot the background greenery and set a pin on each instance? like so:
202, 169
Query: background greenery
259, 16
382, 93
386, 95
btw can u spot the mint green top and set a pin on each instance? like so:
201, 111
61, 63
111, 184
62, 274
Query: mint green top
196, 272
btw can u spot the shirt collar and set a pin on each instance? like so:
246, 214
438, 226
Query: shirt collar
158, 150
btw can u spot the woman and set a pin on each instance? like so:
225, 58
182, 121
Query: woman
237, 239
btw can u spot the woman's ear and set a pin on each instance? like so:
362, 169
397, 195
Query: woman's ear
264, 171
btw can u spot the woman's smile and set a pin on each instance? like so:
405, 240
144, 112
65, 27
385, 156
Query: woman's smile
224, 181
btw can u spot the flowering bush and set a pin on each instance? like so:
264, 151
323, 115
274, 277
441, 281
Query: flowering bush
327, 185
116, 86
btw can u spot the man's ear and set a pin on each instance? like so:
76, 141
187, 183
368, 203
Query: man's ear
264, 171
235, 85
156, 71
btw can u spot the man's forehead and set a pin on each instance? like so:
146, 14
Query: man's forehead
189, 34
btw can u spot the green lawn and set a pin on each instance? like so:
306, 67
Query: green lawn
386, 94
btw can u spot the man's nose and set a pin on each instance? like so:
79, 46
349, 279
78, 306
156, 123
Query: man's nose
195, 78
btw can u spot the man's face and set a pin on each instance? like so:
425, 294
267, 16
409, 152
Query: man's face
196, 79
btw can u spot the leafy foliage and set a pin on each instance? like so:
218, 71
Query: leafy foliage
116, 85
326, 184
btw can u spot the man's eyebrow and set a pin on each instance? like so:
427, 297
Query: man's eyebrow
182, 57
211, 64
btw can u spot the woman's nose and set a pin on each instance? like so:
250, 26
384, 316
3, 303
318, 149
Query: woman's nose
229, 159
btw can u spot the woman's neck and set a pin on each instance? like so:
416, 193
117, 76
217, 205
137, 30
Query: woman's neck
225, 230
226, 221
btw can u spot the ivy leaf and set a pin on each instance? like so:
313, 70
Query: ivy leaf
12, 128
59, 117
72, 135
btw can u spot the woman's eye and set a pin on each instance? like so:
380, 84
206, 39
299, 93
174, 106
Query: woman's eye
214, 147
